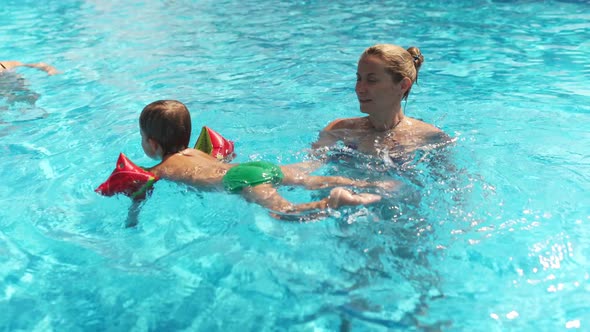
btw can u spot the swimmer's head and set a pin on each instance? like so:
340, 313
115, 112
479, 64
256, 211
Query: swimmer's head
168, 123
399, 63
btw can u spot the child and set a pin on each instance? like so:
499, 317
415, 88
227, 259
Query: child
165, 127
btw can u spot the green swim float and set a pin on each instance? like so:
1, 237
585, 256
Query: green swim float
251, 174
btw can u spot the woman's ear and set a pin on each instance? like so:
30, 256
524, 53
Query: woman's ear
406, 84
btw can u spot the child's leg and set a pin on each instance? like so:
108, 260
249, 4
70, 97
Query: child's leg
268, 196
306, 167
295, 176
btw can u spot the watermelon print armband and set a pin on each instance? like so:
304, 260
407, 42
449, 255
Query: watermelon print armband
212, 143
128, 179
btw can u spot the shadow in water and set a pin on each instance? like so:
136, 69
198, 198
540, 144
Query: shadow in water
17, 101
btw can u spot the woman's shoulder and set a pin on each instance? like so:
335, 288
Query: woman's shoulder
423, 126
427, 130
344, 123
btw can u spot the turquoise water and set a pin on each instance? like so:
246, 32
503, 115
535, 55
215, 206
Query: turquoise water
491, 234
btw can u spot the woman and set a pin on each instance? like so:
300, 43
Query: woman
385, 76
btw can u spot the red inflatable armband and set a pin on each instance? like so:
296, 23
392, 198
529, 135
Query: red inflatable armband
128, 179
213, 143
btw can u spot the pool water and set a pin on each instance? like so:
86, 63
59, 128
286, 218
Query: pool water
489, 234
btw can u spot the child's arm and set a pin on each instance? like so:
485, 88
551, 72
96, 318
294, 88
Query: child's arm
133, 213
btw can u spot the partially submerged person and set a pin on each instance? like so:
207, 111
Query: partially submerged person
165, 127
17, 101
11, 64
385, 76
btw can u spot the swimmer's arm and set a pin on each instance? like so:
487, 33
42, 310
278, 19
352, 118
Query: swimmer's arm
328, 138
133, 213
438, 138
11, 64
42, 66
325, 139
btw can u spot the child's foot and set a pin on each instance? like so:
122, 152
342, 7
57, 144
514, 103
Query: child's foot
340, 197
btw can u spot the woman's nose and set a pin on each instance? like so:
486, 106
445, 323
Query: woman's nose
360, 87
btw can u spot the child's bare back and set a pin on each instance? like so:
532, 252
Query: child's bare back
192, 167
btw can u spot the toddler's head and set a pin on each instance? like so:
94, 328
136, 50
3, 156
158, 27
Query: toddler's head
168, 123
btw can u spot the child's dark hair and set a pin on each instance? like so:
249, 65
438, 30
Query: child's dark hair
168, 122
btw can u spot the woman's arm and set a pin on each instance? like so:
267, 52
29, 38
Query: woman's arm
326, 137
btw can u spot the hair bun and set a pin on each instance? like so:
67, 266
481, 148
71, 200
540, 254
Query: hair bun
417, 56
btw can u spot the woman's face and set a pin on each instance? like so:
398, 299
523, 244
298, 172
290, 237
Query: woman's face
375, 89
